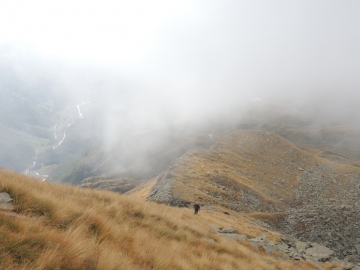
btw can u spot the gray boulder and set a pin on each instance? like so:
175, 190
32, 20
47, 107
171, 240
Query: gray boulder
318, 253
266, 244
6, 202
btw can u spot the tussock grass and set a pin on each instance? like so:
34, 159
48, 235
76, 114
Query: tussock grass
66, 227
260, 164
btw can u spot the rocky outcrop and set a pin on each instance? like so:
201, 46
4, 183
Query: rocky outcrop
229, 233
336, 227
162, 192
6, 202
119, 185
288, 248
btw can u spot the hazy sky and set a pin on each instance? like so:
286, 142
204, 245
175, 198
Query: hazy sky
96, 31
191, 57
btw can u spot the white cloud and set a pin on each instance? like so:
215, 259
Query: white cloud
99, 31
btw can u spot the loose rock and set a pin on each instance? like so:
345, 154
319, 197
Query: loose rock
6, 202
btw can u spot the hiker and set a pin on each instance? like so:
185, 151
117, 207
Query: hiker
196, 208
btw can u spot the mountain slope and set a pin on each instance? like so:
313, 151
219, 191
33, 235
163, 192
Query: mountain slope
286, 188
63, 227
256, 170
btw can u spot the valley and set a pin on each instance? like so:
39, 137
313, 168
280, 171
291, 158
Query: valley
119, 119
273, 166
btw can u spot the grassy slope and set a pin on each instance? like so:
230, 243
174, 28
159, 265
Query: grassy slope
65, 227
258, 163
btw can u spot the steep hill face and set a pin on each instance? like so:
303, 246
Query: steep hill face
256, 171
284, 187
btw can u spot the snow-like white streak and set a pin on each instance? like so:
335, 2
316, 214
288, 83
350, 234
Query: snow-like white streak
60, 141
78, 107
29, 171
80, 116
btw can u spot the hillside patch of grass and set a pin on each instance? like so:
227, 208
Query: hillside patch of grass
89, 229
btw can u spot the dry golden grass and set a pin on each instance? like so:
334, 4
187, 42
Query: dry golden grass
65, 227
237, 161
259, 163
143, 190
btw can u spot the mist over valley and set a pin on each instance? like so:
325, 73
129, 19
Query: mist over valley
250, 109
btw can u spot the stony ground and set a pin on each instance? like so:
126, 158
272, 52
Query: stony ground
336, 227
298, 192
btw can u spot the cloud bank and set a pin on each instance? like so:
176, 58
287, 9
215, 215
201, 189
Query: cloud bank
150, 64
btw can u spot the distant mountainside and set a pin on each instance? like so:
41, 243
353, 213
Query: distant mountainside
278, 165
33, 126
50, 140
37, 110
283, 186
142, 156
25, 125
257, 171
